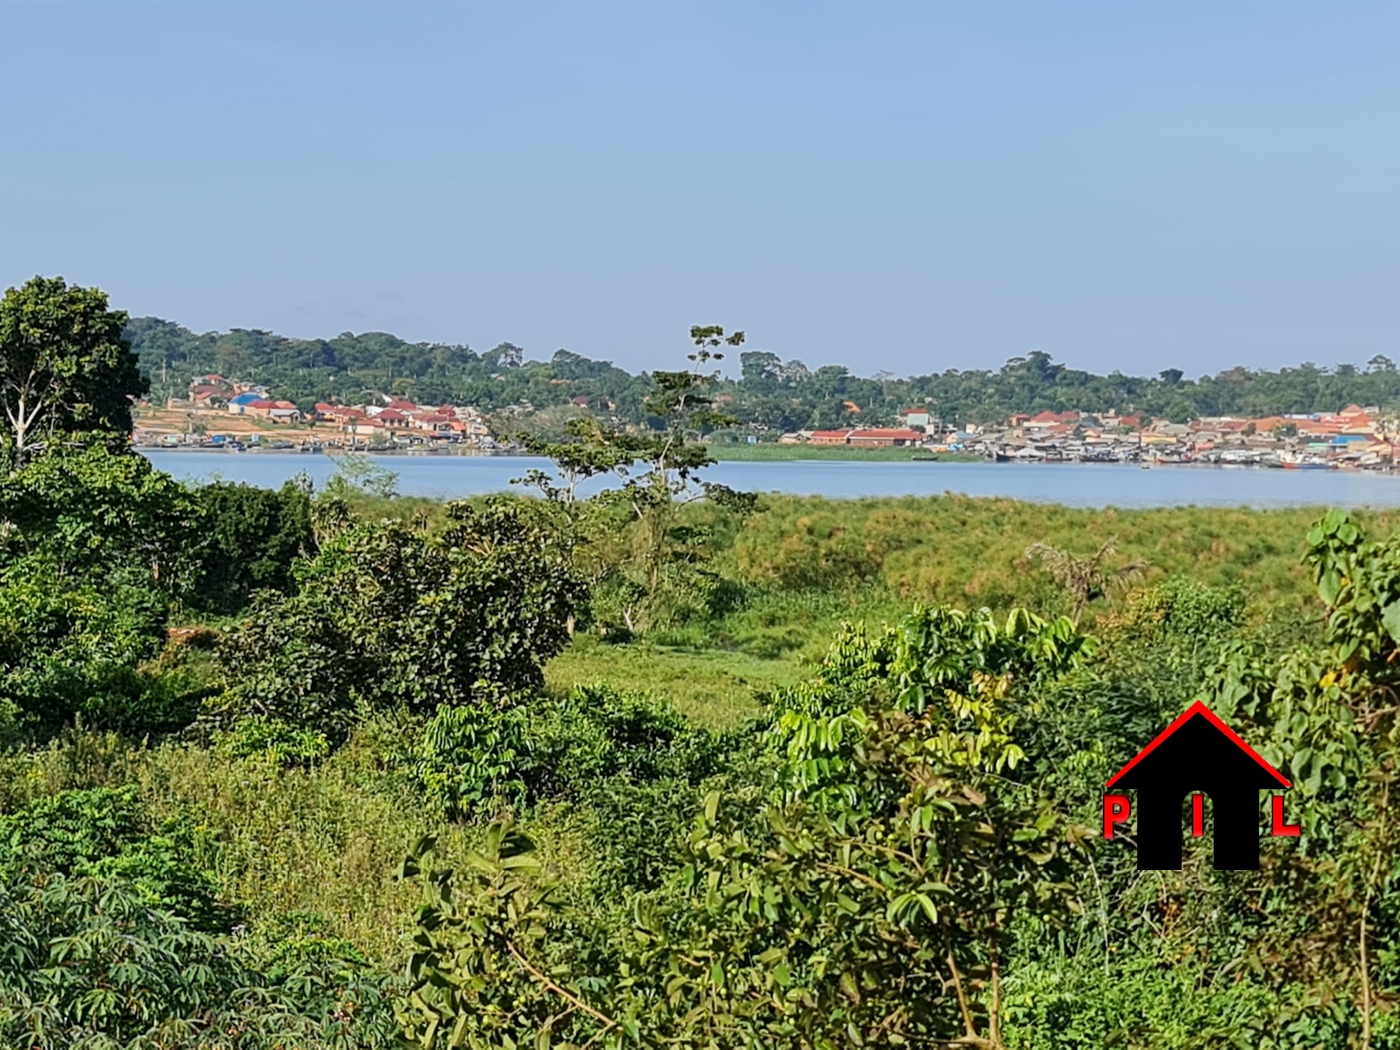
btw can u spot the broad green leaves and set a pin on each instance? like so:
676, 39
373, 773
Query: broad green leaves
64, 367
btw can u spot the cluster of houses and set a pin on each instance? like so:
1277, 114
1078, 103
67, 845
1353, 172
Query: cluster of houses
388, 420
254, 404
399, 417
1353, 437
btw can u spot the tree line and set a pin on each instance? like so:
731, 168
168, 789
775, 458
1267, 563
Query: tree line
768, 393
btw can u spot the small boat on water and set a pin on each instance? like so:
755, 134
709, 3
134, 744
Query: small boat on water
924, 459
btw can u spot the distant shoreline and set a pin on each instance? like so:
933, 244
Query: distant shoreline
724, 454
834, 454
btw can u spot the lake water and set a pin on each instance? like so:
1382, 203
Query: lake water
1073, 484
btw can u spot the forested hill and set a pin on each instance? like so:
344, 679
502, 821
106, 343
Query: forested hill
350, 368
771, 393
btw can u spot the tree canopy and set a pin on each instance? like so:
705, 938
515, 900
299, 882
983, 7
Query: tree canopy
65, 365
767, 393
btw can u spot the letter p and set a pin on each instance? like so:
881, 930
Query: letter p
1116, 810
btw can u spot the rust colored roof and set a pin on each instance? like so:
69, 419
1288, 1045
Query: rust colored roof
889, 433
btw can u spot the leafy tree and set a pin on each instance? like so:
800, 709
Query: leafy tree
251, 539
358, 474
393, 614
657, 470
1331, 721
92, 512
65, 366
96, 549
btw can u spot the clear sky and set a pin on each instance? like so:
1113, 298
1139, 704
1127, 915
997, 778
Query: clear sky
905, 187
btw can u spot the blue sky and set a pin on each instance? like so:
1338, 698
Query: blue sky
905, 187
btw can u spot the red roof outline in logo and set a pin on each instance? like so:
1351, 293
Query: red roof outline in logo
1199, 708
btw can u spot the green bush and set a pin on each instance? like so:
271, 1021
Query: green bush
596, 734
99, 517
470, 759
1136, 1002
473, 759
282, 744
104, 832
89, 963
250, 540
391, 615
74, 649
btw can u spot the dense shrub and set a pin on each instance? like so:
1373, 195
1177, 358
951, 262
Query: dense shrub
596, 733
98, 517
96, 548
89, 963
105, 832
73, 647
280, 743
471, 759
392, 614
249, 541
474, 758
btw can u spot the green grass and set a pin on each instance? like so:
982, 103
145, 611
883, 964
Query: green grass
716, 688
971, 551
833, 453
323, 841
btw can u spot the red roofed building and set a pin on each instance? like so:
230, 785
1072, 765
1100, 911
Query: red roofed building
341, 413
365, 426
1320, 427
884, 437
208, 395
1048, 418
432, 421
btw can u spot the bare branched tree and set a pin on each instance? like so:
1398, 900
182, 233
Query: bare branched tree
1086, 579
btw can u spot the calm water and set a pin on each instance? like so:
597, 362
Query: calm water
1074, 484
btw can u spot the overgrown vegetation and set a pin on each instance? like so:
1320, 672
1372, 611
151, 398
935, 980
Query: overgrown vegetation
729, 773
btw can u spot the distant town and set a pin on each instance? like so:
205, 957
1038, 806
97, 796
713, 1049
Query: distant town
1354, 437
222, 413
219, 413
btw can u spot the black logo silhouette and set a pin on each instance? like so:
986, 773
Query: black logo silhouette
1197, 753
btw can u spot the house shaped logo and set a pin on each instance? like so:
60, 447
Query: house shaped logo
1200, 755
